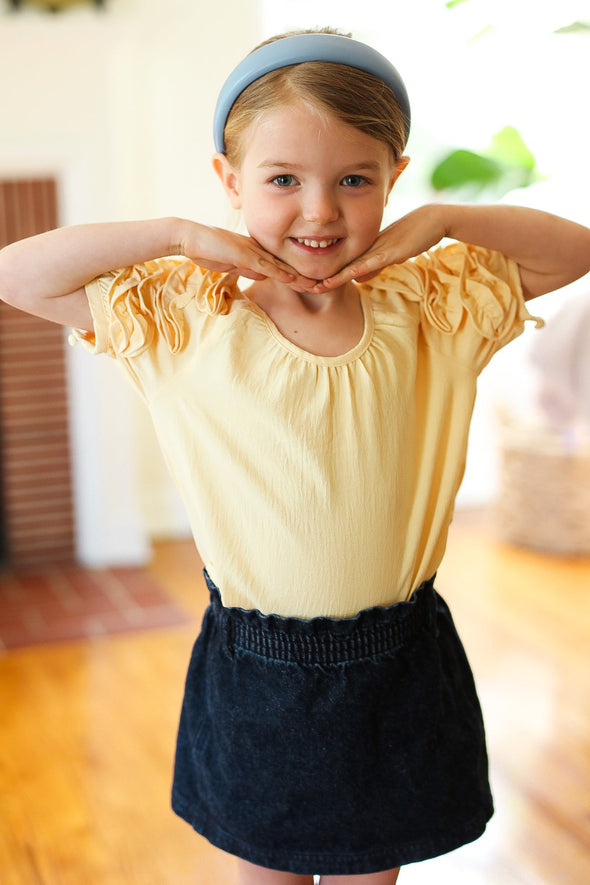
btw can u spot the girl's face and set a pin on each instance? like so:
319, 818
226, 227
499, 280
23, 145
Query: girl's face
311, 188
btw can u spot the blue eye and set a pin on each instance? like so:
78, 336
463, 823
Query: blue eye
284, 180
354, 180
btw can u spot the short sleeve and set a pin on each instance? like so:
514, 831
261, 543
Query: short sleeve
146, 305
471, 301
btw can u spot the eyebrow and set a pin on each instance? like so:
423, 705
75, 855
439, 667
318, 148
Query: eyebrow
367, 165
277, 164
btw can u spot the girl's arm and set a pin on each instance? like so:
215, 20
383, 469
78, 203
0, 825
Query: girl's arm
550, 251
45, 275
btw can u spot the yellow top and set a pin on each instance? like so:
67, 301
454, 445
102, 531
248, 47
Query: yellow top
314, 485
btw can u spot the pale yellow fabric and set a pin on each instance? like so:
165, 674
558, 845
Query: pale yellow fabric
314, 485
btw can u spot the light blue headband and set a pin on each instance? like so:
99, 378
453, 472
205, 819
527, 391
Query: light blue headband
301, 48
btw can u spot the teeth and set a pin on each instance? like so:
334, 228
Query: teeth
318, 244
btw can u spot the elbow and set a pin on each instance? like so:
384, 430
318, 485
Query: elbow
11, 287
6, 280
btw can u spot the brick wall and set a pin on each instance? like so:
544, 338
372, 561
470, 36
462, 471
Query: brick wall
35, 478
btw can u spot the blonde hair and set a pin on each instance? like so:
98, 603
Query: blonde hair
353, 96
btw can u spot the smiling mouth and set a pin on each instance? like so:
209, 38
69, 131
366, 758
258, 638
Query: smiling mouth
317, 244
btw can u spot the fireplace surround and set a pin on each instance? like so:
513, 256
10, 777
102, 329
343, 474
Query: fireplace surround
36, 504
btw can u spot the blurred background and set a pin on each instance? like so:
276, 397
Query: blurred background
105, 114
109, 105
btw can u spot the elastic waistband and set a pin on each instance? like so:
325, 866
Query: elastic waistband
373, 631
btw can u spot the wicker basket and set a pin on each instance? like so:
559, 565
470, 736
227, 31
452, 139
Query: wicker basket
544, 498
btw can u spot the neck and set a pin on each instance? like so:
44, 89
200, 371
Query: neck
329, 324
269, 292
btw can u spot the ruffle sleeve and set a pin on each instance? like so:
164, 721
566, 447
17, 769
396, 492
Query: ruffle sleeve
471, 301
138, 307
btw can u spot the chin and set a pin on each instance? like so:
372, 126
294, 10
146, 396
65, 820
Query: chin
319, 269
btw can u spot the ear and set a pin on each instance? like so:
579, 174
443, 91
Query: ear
229, 178
400, 165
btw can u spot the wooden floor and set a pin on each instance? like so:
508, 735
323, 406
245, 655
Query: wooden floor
87, 734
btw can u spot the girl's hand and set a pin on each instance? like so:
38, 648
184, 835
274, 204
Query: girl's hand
409, 236
550, 251
227, 252
46, 274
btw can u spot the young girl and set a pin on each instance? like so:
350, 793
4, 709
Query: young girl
316, 422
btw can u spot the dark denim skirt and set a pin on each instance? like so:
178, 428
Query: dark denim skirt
329, 746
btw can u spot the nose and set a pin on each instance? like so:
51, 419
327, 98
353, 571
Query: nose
320, 206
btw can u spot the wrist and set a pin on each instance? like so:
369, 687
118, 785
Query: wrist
446, 219
178, 235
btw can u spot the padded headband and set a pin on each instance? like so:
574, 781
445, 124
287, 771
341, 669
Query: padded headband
301, 48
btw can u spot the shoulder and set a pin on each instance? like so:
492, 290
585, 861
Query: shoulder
137, 307
467, 300
451, 279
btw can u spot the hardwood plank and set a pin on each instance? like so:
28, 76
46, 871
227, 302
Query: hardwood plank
88, 730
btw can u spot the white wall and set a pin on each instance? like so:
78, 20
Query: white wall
117, 104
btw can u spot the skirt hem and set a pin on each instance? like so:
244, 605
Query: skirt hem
304, 863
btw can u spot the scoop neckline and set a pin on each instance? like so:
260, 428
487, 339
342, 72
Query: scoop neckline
341, 359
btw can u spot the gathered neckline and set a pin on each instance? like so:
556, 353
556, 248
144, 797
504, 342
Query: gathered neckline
318, 359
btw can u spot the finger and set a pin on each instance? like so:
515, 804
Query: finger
267, 268
303, 284
284, 273
366, 277
249, 274
343, 276
318, 289
360, 270
271, 266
